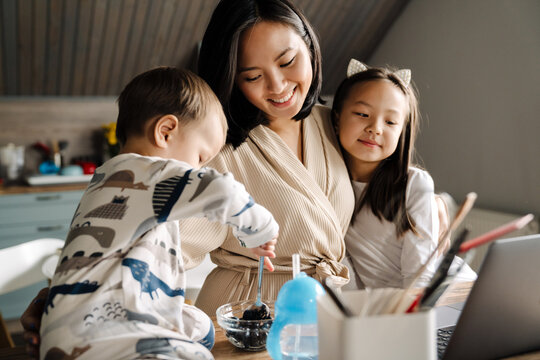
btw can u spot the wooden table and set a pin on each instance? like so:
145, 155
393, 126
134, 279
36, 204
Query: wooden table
224, 350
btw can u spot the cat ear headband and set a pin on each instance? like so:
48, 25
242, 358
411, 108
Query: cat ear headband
356, 66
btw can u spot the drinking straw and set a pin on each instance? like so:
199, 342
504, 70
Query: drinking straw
295, 265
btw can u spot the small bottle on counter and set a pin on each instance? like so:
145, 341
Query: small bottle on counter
294, 334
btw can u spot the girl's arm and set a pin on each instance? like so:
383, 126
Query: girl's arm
422, 208
444, 223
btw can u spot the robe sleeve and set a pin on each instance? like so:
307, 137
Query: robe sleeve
199, 235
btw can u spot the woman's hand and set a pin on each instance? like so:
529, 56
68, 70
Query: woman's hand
31, 322
267, 250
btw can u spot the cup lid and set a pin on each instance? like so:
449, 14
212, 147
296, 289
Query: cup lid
297, 299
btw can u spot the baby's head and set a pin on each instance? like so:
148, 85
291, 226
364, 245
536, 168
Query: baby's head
171, 113
375, 114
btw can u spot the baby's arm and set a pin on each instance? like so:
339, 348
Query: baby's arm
422, 208
218, 197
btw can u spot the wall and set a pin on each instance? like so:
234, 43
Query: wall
476, 65
26, 120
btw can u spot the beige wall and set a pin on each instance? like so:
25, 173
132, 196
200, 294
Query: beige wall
476, 65
26, 120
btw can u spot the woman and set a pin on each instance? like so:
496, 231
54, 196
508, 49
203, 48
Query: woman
263, 60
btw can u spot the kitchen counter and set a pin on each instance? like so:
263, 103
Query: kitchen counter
27, 189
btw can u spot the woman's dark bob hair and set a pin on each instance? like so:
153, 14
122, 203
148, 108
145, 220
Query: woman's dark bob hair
217, 63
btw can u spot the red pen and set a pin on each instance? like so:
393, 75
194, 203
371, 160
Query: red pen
496, 233
480, 240
412, 308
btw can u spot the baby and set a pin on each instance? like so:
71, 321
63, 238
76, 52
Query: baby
118, 291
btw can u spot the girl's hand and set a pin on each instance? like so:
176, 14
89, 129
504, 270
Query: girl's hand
267, 250
31, 322
444, 223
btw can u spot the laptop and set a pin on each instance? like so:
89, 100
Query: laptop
501, 316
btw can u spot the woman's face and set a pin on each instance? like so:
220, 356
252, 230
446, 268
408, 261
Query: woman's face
274, 69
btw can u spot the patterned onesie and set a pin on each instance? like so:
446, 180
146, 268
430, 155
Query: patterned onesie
118, 290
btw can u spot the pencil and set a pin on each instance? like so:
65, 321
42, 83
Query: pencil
496, 233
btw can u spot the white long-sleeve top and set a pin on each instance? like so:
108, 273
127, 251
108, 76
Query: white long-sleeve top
380, 258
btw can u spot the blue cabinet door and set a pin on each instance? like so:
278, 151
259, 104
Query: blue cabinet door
26, 217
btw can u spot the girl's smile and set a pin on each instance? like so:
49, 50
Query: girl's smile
368, 143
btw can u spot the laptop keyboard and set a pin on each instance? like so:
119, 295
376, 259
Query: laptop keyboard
443, 337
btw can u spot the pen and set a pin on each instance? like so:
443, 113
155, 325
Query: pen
337, 299
496, 233
442, 271
462, 212
471, 244
441, 274
439, 291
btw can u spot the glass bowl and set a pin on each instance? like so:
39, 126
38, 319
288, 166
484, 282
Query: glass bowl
248, 335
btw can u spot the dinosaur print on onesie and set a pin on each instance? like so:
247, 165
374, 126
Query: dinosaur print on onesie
124, 179
113, 210
118, 290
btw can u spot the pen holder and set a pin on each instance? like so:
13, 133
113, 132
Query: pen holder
374, 335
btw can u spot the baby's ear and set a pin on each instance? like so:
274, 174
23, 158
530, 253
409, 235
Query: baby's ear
164, 129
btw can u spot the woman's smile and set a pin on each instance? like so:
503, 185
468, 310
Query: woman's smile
274, 69
284, 101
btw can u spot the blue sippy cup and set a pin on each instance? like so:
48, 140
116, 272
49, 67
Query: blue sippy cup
294, 331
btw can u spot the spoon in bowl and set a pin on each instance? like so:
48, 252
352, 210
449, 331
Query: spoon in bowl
258, 310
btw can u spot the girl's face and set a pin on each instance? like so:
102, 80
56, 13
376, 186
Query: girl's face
370, 124
274, 69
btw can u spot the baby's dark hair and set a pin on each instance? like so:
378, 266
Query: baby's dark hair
385, 193
159, 92
217, 62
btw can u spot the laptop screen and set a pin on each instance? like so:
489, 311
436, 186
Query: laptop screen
502, 314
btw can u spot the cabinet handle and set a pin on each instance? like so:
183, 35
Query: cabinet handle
50, 228
47, 197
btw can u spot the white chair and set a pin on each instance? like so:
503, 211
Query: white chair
195, 278
23, 265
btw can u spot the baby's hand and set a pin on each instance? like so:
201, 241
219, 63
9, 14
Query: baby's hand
266, 250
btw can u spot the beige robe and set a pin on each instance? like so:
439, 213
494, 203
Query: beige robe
312, 203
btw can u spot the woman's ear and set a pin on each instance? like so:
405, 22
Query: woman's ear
164, 129
335, 120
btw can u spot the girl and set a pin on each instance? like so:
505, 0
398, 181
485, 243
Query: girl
395, 225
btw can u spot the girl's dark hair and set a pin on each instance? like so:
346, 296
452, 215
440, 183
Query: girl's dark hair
218, 61
158, 92
385, 192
